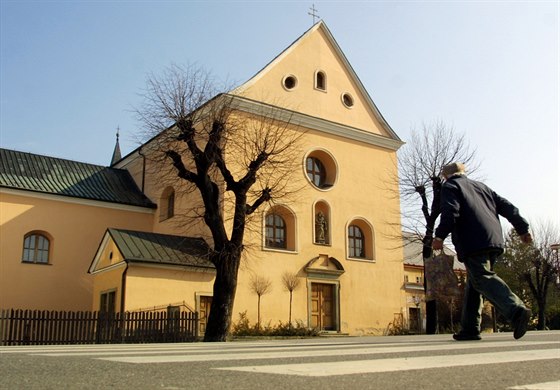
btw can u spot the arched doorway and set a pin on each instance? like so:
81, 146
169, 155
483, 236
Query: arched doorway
323, 287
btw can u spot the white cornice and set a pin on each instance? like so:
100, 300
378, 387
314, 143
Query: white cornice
314, 123
79, 201
121, 264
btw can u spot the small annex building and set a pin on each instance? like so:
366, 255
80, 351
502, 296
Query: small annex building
151, 268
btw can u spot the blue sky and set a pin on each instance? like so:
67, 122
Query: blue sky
71, 72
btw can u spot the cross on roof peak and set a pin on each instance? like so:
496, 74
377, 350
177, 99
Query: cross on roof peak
313, 13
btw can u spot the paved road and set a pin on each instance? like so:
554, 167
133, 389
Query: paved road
415, 362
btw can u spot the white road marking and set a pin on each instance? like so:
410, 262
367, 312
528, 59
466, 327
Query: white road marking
538, 386
85, 348
298, 353
399, 364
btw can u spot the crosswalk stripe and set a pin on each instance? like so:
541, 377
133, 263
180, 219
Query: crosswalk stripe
274, 353
398, 364
538, 386
86, 348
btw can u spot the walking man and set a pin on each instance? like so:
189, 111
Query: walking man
470, 212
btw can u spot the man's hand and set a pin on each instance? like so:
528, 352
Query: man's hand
526, 238
437, 244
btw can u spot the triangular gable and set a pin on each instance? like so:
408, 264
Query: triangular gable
108, 256
121, 246
317, 50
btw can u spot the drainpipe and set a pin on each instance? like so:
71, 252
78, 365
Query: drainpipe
143, 167
123, 290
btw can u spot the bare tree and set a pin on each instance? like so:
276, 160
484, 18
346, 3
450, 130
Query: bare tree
290, 282
420, 162
534, 267
260, 285
227, 161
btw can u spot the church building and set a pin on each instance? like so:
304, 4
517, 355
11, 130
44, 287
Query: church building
76, 236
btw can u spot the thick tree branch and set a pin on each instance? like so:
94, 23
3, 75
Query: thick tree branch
182, 171
265, 197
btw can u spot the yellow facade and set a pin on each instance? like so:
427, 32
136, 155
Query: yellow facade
75, 228
368, 293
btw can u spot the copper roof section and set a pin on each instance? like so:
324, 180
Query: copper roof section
50, 175
145, 247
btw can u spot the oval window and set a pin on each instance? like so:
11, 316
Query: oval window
348, 100
289, 82
321, 169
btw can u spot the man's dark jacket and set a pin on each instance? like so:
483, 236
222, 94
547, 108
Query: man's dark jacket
469, 210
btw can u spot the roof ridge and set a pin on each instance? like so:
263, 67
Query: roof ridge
56, 158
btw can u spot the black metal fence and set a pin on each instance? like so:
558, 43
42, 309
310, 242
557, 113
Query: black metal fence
41, 327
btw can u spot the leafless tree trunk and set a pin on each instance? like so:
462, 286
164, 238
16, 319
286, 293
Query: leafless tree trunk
228, 162
260, 286
420, 163
291, 282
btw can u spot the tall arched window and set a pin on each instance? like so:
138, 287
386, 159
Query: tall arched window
275, 231
36, 248
167, 204
356, 242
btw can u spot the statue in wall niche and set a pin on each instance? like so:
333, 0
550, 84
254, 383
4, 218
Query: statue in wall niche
320, 228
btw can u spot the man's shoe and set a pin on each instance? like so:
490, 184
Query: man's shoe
461, 336
520, 323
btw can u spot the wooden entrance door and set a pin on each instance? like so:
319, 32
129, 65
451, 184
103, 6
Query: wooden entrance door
322, 306
205, 303
414, 319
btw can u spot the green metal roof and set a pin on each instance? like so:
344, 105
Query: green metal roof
32, 172
158, 248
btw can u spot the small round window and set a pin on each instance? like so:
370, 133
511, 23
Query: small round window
348, 100
321, 169
289, 82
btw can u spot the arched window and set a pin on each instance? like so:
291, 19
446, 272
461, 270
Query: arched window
167, 204
315, 171
36, 248
321, 81
356, 242
275, 231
